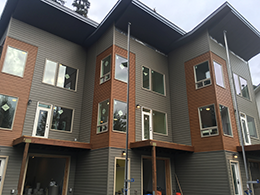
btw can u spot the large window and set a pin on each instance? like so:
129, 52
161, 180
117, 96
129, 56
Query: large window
15, 60
159, 122
208, 122
120, 114
241, 86
7, 111
153, 80
62, 118
105, 69
251, 126
225, 120
121, 69
219, 74
103, 113
66, 77
202, 75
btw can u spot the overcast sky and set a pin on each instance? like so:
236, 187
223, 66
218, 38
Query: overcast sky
186, 14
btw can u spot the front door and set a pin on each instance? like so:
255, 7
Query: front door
42, 120
245, 130
147, 132
2, 163
237, 183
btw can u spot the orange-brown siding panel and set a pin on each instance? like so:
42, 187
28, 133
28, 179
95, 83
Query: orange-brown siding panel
17, 87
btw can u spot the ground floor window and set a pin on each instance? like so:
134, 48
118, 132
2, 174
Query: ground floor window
163, 176
46, 175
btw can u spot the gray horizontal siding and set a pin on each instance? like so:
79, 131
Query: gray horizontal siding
179, 102
102, 44
13, 167
241, 68
59, 50
91, 172
203, 173
148, 57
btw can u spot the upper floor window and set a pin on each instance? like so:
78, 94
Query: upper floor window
60, 75
62, 118
121, 69
7, 111
225, 119
241, 86
219, 74
120, 114
153, 80
15, 60
202, 75
105, 69
103, 113
208, 122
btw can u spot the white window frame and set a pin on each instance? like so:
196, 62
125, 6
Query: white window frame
118, 131
109, 73
4, 168
229, 121
240, 95
150, 80
115, 69
166, 123
202, 81
210, 128
222, 74
72, 119
103, 124
57, 75
1, 128
129, 165
24, 62
240, 188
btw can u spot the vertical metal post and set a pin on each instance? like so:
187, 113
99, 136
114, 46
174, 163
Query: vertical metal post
237, 111
127, 120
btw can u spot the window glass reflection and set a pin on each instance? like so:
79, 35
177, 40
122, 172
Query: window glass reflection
50, 72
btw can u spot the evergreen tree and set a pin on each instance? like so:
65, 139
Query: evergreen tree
61, 2
82, 7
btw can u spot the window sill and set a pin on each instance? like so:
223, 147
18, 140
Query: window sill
59, 87
3, 129
20, 77
244, 98
61, 131
101, 132
117, 131
255, 138
202, 86
161, 134
230, 136
163, 95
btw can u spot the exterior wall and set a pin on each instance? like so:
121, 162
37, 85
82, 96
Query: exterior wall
203, 173
91, 172
15, 156
58, 50
17, 87
224, 98
149, 58
135, 157
102, 44
177, 80
199, 98
241, 68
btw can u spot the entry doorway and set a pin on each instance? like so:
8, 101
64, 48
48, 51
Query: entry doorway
46, 174
147, 132
236, 179
163, 176
42, 120
119, 175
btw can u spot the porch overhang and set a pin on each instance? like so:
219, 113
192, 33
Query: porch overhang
51, 142
250, 148
162, 144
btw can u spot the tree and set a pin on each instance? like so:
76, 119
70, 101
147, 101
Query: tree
61, 2
82, 7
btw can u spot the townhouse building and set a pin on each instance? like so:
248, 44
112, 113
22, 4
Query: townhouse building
63, 94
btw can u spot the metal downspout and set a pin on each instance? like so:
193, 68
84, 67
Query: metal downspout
236, 111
